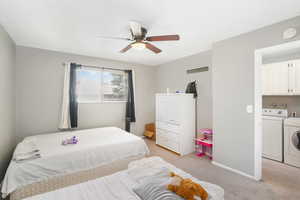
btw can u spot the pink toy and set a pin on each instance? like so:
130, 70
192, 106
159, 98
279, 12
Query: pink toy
206, 131
204, 146
205, 134
72, 140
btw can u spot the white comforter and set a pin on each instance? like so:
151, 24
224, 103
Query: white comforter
96, 147
119, 186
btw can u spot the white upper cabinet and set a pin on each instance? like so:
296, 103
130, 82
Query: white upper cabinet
267, 80
281, 78
296, 77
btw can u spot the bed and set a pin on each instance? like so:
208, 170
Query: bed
120, 185
99, 152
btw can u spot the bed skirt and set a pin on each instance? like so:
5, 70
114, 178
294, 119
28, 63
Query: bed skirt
71, 179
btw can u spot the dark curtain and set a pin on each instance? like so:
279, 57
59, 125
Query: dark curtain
298, 135
130, 111
73, 98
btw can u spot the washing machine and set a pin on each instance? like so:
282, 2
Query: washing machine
292, 141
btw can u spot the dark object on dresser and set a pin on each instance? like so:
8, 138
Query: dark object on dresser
192, 88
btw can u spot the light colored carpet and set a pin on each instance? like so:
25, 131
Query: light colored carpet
280, 182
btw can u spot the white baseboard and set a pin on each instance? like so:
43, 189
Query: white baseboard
233, 170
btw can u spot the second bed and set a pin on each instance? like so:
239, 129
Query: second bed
99, 152
122, 185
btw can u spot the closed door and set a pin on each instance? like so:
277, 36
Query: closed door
267, 79
168, 109
295, 76
276, 79
162, 108
280, 78
174, 110
272, 138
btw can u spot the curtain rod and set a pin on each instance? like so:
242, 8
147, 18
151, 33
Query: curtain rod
91, 66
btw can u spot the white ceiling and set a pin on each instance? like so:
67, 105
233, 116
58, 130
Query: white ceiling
73, 25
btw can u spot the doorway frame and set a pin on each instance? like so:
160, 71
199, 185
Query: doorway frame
258, 56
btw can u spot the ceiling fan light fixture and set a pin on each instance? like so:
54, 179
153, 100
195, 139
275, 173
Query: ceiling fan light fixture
138, 45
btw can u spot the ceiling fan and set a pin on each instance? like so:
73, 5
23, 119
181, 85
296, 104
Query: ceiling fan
139, 40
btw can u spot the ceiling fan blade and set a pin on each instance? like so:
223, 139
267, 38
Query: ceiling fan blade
114, 38
126, 49
136, 28
152, 48
163, 38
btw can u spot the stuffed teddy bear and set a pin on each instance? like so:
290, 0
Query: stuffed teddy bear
186, 188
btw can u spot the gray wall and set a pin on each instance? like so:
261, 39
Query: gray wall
39, 93
173, 76
7, 96
233, 89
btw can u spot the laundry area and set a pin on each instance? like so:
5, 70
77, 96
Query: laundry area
281, 107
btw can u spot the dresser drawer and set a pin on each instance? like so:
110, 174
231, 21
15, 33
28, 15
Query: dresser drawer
169, 127
168, 140
161, 140
168, 135
172, 145
169, 144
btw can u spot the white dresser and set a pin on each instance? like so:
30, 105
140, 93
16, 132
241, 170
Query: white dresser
175, 122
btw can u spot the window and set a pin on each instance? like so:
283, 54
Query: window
114, 85
95, 86
88, 86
